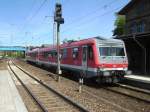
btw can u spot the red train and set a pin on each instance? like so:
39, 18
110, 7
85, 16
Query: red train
103, 59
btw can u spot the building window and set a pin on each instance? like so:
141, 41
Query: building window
140, 8
75, 53
141, 27
137, 27
133, 28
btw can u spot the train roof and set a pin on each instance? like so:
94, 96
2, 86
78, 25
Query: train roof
33, 50
91, 41
80, 42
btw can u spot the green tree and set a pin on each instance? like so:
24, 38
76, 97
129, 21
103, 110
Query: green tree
119, 25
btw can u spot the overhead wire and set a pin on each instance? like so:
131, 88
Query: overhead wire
26, 18
91, 20
66, 2
92, 12
34, 15
37, 11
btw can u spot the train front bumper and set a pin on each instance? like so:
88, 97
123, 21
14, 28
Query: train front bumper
111, 75
110, 72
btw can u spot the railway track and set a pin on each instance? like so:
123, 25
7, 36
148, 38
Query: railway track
133, 88
130, 92
100, 94
48, 99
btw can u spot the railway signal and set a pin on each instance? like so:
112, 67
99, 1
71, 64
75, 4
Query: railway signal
58, 20
58, 14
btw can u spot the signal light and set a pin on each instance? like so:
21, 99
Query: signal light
58, 10
58, 14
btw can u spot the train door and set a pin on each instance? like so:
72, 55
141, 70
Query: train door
37, 57
84, 59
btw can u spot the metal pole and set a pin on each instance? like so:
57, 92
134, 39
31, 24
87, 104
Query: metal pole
80, 84
54, 34
58, 52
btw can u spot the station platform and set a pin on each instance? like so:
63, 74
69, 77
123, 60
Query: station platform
138, 78
137, 81
10, 99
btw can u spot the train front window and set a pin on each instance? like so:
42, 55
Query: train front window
111, 51
120, 52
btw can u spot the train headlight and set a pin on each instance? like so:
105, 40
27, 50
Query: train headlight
106, 74
125, 69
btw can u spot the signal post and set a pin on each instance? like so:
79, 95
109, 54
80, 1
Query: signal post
58, 20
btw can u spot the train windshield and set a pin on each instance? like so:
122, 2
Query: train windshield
111, 51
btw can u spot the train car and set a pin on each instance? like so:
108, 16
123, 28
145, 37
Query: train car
103, 59
32, 55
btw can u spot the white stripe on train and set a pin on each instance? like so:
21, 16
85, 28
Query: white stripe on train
76, 67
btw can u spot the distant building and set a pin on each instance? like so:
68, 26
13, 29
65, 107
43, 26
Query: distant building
12, 51
137, 35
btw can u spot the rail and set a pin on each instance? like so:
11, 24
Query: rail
69, 100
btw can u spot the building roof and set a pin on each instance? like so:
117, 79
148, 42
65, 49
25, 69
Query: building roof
127, 7
145, 34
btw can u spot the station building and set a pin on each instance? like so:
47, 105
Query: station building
137, 35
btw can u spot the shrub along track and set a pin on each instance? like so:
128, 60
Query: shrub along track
96, 97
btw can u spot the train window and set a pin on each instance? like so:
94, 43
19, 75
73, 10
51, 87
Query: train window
84, 54
104, 51
75, 52
120, 52
90, 52
64, 53
54, 54
50, 54
33, 54
111, 51
46, 54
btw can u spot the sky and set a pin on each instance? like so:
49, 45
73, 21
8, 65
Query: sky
30, 22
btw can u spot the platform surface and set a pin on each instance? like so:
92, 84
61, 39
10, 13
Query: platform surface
10, 100
138, 78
